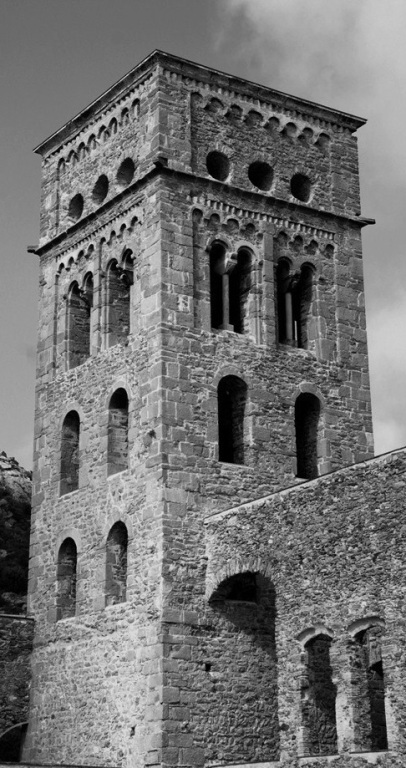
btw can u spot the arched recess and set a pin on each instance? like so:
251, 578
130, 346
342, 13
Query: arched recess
116, 564
241, 681
79, 305
307, 416
119, 282
69, 467
368, 686
66, 579
117, 432
231, 405
318, 698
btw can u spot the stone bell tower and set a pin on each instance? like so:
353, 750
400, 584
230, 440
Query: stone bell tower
201, 343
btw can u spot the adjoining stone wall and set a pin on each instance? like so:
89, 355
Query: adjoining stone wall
334, 549
16, 634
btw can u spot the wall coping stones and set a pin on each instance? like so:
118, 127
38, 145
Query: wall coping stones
250, 506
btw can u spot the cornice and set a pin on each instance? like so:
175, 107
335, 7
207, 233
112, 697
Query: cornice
192, 73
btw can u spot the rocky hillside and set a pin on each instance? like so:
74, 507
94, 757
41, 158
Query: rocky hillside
15, 507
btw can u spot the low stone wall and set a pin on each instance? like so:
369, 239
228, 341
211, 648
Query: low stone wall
16, 633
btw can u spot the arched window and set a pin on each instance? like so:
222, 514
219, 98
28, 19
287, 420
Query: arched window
116, 564
231, 399
302, 300
119, 282
239, 289
370, 734
307, 414
294, 300
69, 477
318, 699
80, 302
66, 579
217, 261
284, 302
117, 438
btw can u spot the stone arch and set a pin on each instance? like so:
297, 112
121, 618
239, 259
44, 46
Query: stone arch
310, 632
230, 370
214, 105
70, 532
114, 516
360, 625
234, 566
308, 386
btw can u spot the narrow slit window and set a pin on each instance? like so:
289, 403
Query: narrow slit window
307, 415
217, 258
66, 579
231, 397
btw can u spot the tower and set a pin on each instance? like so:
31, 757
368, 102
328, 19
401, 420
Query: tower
202, 343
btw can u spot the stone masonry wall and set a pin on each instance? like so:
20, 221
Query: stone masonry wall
333, 549
167, 676
96, 676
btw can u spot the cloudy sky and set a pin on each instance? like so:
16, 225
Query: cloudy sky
56, 56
